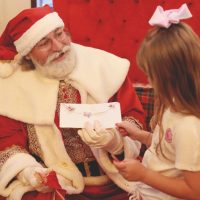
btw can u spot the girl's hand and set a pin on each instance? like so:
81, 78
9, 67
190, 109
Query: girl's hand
128, 129
130, 169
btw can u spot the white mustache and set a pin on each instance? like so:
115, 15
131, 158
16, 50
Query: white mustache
57, 54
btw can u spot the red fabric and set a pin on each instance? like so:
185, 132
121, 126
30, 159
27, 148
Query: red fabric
117, 26
17, 27
129, 101
40, 196
52, 182
7, 53
13, 132
146, 96
107, 192
37, 196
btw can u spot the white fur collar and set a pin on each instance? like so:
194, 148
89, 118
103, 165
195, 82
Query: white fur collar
99, 72
31, 98
28, 97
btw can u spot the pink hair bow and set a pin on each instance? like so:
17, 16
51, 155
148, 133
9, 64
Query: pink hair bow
166, 18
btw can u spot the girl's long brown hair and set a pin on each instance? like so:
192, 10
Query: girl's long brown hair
171, 59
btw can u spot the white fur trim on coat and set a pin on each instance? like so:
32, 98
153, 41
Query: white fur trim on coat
18, 192
30, 97
98, 72
131, 150
56, 157
11, 168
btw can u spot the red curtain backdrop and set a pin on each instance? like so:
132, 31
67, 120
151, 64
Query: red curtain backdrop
117, 26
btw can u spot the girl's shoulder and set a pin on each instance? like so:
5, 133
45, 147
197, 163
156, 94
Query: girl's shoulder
177, 115
181, 120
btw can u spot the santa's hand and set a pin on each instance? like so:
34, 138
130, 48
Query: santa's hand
98, 137
34, 176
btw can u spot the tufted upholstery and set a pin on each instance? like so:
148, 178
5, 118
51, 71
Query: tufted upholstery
117, 26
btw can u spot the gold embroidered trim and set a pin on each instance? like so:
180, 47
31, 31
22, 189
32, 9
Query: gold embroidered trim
75, 147
133, 121
9, 152
67, 94
34, 145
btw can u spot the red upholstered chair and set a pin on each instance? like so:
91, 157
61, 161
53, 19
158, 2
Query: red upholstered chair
118, 26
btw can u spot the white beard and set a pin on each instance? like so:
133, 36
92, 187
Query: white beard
58, 70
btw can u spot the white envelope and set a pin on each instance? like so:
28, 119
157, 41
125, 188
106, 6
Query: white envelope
75, 115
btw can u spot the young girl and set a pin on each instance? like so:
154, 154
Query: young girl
170, 56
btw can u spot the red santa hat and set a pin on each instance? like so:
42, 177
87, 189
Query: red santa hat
24, 31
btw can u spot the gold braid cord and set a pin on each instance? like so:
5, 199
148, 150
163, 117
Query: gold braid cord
133, 121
